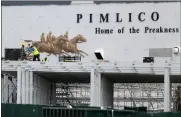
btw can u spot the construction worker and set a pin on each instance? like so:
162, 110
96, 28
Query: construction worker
35, 53
23, 52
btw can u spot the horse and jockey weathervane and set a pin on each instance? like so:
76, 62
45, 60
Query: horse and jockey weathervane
60, 45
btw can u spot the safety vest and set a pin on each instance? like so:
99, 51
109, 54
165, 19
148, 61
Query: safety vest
35, 52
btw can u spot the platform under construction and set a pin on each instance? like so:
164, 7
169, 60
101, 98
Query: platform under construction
36, 81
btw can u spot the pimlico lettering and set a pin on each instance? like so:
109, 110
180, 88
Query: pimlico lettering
104, 18
131, 17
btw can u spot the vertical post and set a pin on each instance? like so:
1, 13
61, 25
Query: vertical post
46, 92
43, 94
95, 87
53, 93
92, 87
14, 96
19, 87
31, 87
38, 89
27, 87
23, 87
5, 88
167, 94
2, 86
34, 89
10, 95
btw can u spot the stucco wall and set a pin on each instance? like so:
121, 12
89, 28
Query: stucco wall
28, 22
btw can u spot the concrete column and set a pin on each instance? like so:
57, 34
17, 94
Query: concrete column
92, 88
43, 92
49, 92
53, 93
106, 92
27, 87
23, 87
38, 90
5, 89
46, 92
95, 92
34, 89
2, 89
19, 85
167, 90
31, 87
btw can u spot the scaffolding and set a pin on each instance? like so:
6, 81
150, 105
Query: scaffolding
148, 95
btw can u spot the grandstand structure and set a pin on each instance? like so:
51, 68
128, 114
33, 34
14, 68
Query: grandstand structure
123, 80
140, 90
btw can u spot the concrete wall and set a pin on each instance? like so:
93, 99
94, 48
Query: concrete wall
28, 22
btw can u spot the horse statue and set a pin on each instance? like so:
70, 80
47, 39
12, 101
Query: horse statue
71, 45
51, 48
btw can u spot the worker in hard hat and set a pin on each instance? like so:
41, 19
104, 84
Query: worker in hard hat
35, 52
23, 52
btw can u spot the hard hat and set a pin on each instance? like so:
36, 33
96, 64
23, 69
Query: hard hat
23, 43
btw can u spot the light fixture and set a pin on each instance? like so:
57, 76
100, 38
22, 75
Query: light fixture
176, 50
99, 54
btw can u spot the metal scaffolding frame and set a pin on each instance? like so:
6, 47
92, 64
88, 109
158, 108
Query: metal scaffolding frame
150, 95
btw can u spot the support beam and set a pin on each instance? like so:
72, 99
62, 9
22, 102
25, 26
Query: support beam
5, 89
27, 87
34, 89
38, 90
95, 86
23, 87
19, 85
53, 93
31, 87
46, 92
41, 89
106, 92
2, 87
167, 91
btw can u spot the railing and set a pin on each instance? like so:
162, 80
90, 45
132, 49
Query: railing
156, 68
